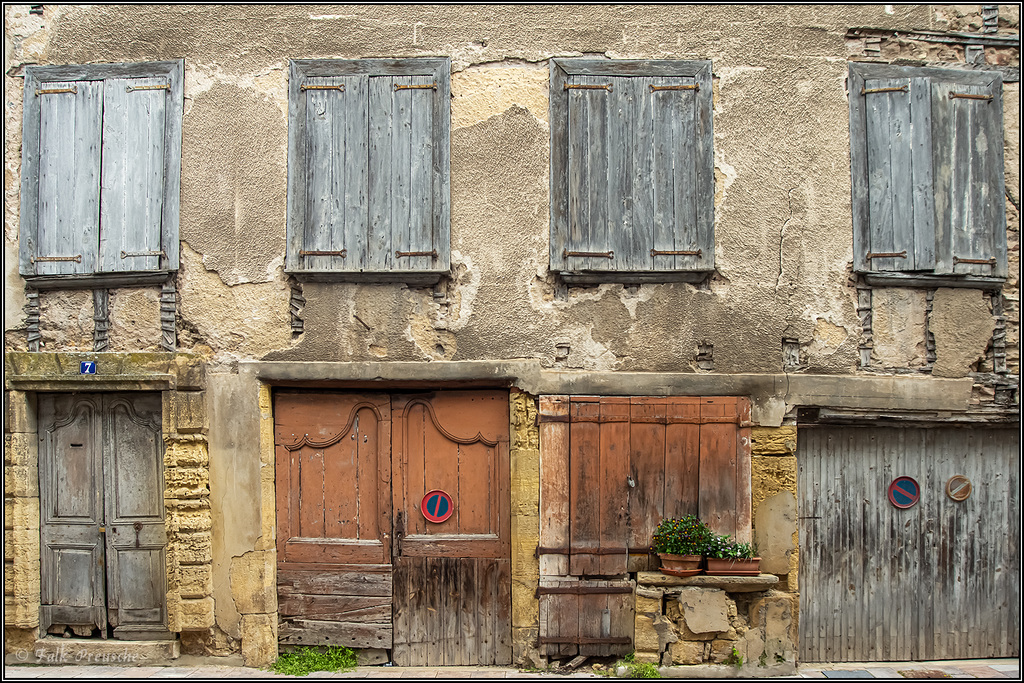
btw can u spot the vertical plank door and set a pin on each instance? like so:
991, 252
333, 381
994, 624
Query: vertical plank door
452, 578
333, 479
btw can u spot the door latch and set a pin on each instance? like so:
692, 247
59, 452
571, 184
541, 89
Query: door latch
138, 527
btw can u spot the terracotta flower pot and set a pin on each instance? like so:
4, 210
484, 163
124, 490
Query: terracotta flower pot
680, 565
730, 567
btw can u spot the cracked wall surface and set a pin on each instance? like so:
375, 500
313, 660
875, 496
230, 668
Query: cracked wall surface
783, 234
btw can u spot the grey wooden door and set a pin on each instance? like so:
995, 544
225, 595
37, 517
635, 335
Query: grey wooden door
938, 580
102, 515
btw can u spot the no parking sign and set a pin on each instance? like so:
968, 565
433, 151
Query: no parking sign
904, 492
437, 506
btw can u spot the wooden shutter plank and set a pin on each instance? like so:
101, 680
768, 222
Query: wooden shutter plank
900, 135
554, 482
704, 170
441, 101
579, 176
354, 168
644, 144
682, 457
922, 191
880, 175
327, 120
584, 486
614, 496
595, 193
718, 495
649, 469
558, 116
297, 167
413, 146
400, 181
131, 201
859, 170
620, 236
379, 254
70, 130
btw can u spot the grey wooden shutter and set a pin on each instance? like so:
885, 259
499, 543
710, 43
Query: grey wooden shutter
336, 173
892, 173
969, 194
682, 177
131, 204
68, 187
403, 231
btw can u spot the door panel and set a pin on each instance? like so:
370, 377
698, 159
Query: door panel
935, 581
70, 477
452, 579
334, 518
101, 477
352, 470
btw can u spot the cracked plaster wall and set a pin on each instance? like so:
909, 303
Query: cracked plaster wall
782, 199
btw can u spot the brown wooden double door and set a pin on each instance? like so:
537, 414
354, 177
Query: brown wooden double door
359, 564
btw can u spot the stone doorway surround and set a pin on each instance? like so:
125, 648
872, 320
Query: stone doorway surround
181, 380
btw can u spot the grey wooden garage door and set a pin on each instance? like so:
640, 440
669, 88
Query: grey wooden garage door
939, 580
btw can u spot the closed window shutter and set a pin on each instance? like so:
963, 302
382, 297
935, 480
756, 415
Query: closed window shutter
967, 153
336, 173
899, 200
402, 174
70, 128
682, 186
132, 195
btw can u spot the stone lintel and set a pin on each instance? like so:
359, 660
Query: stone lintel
730, 584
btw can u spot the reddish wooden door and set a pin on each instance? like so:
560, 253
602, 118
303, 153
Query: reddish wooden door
333, 518
452, 579
352, 471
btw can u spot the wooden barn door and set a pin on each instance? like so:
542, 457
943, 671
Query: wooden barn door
452, 578
102, 515
937, 580
359, 564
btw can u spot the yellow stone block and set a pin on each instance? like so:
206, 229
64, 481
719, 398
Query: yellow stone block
195, 581
648, 606
193, 548
647, 656
525, 606
189, 520
187, 411
186, 452
21, 481
644, 635
253, 584
21, 449
259, 639
773, 440
187, 482
19, 415
268, 512
196, 614
687, 652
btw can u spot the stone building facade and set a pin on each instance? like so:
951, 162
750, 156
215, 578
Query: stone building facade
782, 313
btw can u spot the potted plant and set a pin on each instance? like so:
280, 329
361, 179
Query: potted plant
680, 545
726, 556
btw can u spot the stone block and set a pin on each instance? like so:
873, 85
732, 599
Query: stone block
19, 413
648, 606
21, 481
25, 545
188, 371
645, 637
253, 586
193, 548
9, 545
195, 581
721, 650
647, 656
672, 610
775, 614
268, 513
705, 610
21, 449
16, 638
186, 452
525, 605
775, 524
187, 482
259, 639
687, 652
197, 614
187, 411
524, 650
198, 519
773, 440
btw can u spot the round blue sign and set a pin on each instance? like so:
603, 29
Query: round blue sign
437, 506
904, 492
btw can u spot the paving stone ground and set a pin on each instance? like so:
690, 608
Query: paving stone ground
974, 668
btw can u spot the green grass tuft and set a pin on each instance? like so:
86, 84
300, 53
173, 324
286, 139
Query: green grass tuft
309, 659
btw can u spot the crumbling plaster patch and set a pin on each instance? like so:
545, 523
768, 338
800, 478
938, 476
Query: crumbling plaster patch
962, 324
480, 92
65, 320
135, 320
898, 327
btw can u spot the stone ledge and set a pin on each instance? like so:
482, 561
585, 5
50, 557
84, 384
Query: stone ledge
730, 584
119, 652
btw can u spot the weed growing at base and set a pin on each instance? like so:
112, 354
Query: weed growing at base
309, 659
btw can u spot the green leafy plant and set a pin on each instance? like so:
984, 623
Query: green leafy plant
635, 669
734, 659
683, 536
725, 548
309, 659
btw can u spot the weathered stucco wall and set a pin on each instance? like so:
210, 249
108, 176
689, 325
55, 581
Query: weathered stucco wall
783, 239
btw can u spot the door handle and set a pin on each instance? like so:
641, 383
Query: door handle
399, 532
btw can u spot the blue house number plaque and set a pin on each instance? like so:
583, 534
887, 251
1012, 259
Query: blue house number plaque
88, 367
